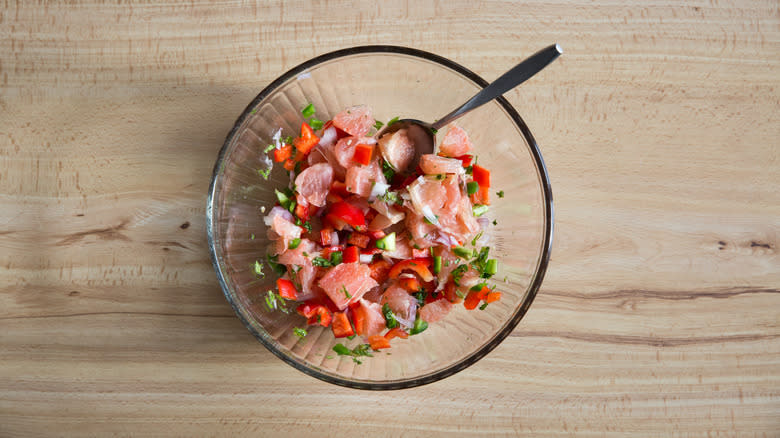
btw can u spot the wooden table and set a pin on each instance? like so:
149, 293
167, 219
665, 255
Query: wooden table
659, 315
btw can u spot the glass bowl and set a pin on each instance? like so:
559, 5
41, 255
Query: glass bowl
393, 81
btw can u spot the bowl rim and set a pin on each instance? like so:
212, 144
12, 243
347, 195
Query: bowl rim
532, 289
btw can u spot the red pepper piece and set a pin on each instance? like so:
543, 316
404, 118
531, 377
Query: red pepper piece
363, 153
358, 239
396, 333
282, 153
325, 234
481, 176
411, 284
286, 289
419, 266
341, 326
493, 297
307, 140
348, 213
302, 211
351, 255
378, 342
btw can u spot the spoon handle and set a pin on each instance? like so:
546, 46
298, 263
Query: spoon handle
509, 80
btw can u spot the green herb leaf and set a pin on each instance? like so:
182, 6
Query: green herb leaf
321, 262
390, 320
308, 111
341, 350
420, 296
264, 173
483, 306
500, 194
294, 243
316, 124
284, 199
252, 236
378, 125
495, 222
336, 257
393, 120
269, 148
458, 272
299, 332
474, 240
472, 187
259, 269
387, 170
351, 337
288, 140
345, 291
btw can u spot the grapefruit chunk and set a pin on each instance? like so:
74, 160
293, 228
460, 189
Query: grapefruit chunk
355, 121
347, 283
455, 143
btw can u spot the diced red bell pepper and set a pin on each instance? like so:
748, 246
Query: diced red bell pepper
282, 153
358, 239
333, 198
302, 211
465, 159
420, 253
351, 255
341, 326
348, 213
289, 164
493, 297
339, 188
411, 284
396, 333
307, 140
472, 300
286, 289
315, 313
378, 342
481, 196
358, 317
419, 266
363, 153
481, 176
379, 270
370, 251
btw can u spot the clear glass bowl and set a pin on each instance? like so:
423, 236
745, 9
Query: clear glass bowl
393, 81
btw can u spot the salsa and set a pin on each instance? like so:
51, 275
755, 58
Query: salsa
366, 244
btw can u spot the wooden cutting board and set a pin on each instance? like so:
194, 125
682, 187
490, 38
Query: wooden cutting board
659, 315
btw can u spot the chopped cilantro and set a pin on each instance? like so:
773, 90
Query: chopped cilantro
346, 292
300, 332
393, 120
387, 170
308, 111
288, 140
474, 240
269, 148
434, 131
336, 257
321, 262
259, 269
351, 337
273, 301
391, 197
252, 236
495, 222
420, 298
284, 199
500, 194
483, 306
254, 111
360, 350
264, 173
390, 320
378, 125
457, 273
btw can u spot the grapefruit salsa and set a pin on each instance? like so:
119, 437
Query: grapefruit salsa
370, 242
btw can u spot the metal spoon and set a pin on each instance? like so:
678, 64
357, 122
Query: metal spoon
422, 133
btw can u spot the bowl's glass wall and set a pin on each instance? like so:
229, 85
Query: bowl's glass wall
393, 85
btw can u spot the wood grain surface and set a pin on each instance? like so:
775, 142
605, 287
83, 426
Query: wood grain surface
659, 315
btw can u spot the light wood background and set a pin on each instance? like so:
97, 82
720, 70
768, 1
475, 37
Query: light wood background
659, 315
